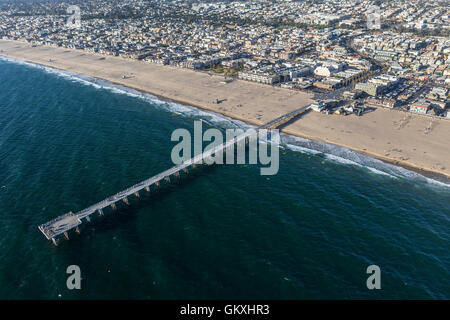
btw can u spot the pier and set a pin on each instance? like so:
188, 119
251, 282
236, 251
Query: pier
69, 221
284, 118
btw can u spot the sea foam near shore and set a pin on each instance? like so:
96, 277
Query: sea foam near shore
329, 152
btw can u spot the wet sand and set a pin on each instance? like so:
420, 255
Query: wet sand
413, 141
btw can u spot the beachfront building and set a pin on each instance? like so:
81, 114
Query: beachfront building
263, 52
318, 106
373, 89
384, 103
385, 80
421, 106
272, 75
350, 75
329, 84
327, 69
259, 76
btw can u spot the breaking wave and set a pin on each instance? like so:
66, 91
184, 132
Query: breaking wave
329, 152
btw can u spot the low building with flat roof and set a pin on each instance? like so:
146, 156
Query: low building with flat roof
373, 89
421, 106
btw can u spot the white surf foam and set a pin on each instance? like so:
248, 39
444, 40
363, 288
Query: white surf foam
331, 152
177, 108
346, 156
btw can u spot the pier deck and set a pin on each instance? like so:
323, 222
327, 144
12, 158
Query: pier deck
69, 221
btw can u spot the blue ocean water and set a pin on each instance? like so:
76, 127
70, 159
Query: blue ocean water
309, 232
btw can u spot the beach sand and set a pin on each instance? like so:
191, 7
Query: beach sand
413, 141
416, 142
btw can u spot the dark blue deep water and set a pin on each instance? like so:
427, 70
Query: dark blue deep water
308, 232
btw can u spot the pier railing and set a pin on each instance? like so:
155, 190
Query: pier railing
63, 224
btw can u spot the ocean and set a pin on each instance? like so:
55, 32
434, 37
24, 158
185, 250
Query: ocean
223, 232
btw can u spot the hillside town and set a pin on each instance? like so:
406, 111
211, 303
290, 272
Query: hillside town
353, 54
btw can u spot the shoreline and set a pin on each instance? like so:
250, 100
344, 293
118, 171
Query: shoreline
439, 175
163, 98
424, 172
427, 173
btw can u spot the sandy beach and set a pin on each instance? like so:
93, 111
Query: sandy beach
413, 141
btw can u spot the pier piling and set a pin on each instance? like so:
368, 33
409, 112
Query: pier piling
62, 224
